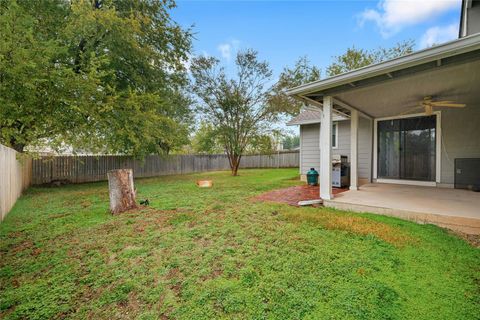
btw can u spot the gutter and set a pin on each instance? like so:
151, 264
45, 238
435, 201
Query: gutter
452, 48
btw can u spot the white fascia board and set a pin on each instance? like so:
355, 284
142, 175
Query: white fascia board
448, 49
313, 121
298, 123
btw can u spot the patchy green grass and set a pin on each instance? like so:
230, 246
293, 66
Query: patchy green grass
213, 253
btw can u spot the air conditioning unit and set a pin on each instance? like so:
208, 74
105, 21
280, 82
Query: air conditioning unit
467, 173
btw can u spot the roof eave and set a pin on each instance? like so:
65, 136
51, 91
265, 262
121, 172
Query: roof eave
299, 123
452, 48
313, 121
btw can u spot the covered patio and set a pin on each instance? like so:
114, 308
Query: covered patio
413, 146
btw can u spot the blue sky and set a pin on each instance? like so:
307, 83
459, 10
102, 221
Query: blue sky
282, 31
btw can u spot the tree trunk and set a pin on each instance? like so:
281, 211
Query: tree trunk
121, 190
234, 164
17, 146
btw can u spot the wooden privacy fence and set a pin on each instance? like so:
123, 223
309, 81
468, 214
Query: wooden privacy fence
78, 169
15, 176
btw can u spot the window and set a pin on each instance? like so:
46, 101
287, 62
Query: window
335, 135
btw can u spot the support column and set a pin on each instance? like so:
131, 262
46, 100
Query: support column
354, 150
326, 149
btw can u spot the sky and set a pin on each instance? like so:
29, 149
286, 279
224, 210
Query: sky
283, 31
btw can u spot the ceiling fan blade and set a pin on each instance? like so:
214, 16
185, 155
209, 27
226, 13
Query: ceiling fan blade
450, 105
444, 101
410, 110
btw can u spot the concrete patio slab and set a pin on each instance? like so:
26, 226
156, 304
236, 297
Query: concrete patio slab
455, 209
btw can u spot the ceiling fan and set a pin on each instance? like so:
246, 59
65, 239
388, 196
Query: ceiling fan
428, 104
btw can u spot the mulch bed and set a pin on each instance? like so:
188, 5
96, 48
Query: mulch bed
293, 195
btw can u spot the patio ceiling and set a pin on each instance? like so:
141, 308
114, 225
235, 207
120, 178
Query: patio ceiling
447, 71
396, 96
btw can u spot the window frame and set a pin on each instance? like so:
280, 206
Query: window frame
335, 131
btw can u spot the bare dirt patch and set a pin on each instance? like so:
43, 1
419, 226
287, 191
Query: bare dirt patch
353, 224
24, 245
175, 278
292, 195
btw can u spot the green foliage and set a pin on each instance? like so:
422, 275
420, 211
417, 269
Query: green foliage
213, 253
291, 142
206, 140
261, 144
301, 73
237, 108
355, 58
98, 75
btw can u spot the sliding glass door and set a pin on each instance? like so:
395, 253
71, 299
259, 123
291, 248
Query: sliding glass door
406, 148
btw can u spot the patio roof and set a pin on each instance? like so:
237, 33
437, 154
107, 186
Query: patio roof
432, 57
448, 71
396, 88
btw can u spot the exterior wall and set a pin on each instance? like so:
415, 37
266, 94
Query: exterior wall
310, 146
473, 19
460, 139
365, 145
343, 139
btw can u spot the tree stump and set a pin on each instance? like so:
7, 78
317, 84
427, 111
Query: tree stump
121, 190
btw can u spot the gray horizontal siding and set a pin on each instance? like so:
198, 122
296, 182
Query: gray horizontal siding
365, 144
460, 139
310, 145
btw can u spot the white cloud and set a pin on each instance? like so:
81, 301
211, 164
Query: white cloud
225, 50
228, 48
437, 35
393, 15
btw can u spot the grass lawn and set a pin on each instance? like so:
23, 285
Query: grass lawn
215, 254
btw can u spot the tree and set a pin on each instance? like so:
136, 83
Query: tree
236, 107
291, 142
97, 75
206, 139
355, 58
301, 73
262, 143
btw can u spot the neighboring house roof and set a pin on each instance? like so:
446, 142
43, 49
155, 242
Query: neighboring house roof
311, 115
386, 70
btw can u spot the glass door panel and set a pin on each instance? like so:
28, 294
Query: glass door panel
389, 149
406, 148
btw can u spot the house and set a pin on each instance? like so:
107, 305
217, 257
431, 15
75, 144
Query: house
309, 122
406, 123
